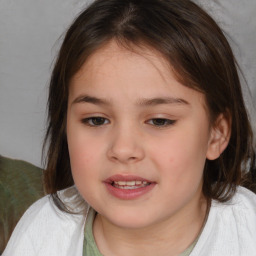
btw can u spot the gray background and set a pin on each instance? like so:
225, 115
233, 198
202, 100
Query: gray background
29, 39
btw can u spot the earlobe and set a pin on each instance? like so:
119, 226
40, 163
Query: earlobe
219, 138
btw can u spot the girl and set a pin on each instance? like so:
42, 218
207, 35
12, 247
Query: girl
150, 145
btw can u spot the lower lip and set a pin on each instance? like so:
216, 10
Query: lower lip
128, 194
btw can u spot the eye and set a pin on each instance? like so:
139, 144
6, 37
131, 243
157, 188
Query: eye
95, 121
161, 122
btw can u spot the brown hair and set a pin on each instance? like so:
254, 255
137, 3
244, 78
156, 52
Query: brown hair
197, 50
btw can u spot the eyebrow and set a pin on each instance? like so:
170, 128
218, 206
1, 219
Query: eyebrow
90, 99
141, 102
160, 101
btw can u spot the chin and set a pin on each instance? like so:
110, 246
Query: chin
130, 220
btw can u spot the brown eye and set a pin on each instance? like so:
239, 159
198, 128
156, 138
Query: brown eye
95, 121
161, 122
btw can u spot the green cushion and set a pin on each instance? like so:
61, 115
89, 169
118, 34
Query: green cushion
20, 186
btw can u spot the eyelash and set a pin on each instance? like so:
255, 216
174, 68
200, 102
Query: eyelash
89, 121
164, 122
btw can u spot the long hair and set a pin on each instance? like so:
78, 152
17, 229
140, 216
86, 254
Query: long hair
198, 52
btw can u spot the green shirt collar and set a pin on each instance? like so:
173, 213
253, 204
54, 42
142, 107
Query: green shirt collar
90, 248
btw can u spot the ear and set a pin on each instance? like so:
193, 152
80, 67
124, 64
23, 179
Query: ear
219, 137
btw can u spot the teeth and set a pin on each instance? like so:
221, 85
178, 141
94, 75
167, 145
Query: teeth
120, 183
133, 184
130, 183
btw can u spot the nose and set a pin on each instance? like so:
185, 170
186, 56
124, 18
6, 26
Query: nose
126, 146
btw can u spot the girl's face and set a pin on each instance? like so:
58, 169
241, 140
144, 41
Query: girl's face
138, 139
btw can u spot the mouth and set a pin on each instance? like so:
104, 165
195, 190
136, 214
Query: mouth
128, 181
128, 186
134, 184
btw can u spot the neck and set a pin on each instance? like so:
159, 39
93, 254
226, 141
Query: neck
171, 236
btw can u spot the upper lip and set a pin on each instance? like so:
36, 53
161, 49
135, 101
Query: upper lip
123, 177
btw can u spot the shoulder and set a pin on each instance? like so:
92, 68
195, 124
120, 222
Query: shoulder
244, 199
231, 227
45, 230
241, 208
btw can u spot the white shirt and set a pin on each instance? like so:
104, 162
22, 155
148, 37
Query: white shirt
44, 230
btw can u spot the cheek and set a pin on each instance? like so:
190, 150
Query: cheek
82, 150
181, 157
83, 160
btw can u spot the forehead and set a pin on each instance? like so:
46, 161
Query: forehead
113, 53
116, 68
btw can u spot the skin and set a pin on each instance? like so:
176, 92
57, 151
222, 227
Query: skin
134, 137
